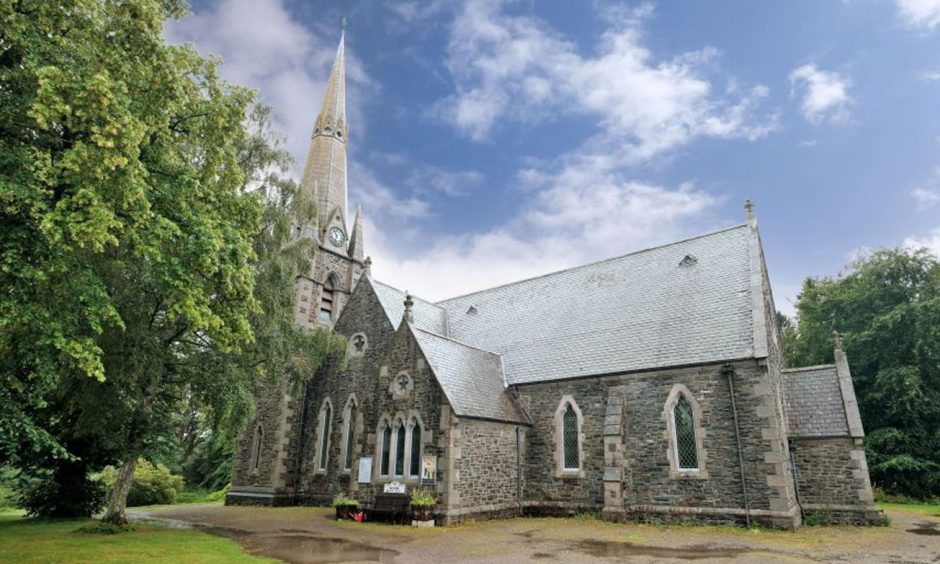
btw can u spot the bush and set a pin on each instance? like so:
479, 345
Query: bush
341, 499
219, 495
102, 528
153, 484
7, 496
63, 492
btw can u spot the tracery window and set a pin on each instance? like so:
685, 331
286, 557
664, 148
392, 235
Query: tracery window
349, 442
386, 449
686, 451
256, 455
414, 468
326, 416
400, 449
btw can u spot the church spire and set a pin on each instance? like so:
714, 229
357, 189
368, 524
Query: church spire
325, 169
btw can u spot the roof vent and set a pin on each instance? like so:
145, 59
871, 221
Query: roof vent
689, 260
472, 310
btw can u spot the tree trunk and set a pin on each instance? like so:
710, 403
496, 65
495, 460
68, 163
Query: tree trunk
117, 504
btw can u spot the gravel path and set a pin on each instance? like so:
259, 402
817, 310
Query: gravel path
305, 534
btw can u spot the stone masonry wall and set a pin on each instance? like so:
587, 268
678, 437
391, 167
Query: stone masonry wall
256, 486
488, 469
833, 479
650, 490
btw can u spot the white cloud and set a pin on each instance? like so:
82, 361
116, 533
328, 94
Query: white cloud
264, 47
931, 242
825, 94
926, 197
930, 76
512, 68
919, 14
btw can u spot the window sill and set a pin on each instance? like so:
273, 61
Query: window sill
569, 473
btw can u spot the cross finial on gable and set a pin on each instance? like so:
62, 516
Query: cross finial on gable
749, 208
409, 304
836, 340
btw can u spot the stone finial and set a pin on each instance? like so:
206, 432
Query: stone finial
836, 340
749, 208
368, 264
409, 304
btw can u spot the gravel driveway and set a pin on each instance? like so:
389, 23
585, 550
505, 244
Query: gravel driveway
305, 534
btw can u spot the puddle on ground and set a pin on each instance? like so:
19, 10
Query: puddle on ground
622, 550
308, 548
928, 529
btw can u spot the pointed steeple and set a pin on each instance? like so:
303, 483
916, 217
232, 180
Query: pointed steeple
325, 169
356, 251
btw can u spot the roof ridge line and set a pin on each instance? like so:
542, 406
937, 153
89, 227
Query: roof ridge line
419, 298
433, 334
547, 274
807, 368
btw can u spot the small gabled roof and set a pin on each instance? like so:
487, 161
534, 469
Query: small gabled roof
427, 316
812, 400
650, 309
472, 379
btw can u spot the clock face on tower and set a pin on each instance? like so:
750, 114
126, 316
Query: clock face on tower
337, 237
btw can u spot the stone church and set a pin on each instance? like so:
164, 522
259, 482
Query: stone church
648, 386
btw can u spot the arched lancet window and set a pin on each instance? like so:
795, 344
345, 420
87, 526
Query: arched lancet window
327, 299
686, 450
400, 449
569, 447
350, 436
570, 432
386, 449
415, 467
256, 451
325, 435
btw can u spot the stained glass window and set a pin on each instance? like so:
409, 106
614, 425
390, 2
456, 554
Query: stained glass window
400, 452
685, 435
325, 436
570, 432
386, 448
415, 468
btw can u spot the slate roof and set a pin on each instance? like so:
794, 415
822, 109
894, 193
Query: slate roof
471, 378
427, 315
640, 311
813, 402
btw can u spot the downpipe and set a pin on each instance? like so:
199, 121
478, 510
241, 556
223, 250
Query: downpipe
729, 373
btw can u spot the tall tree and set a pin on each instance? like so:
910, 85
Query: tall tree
887, 307
145, 256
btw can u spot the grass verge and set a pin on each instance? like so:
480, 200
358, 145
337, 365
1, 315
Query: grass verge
930, 509
34, 540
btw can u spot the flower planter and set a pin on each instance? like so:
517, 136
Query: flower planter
344, 511
422, 515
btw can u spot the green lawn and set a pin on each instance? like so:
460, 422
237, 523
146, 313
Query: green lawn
931, 509
30, 540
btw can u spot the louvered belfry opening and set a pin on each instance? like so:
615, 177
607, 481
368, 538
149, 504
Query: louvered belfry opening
570, 424
326, 300
685, 435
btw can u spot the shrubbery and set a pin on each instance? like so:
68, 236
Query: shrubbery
153, 484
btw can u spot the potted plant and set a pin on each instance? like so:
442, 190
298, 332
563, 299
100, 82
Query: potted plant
423, 501
344, 505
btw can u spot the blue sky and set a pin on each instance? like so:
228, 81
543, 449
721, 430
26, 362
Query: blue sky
493, 140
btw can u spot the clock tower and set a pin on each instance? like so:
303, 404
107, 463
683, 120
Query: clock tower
319, 295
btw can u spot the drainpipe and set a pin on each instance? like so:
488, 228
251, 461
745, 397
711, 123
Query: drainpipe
796, 482
729, 372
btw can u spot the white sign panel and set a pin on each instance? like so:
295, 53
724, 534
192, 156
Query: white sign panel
394, 487
365, 470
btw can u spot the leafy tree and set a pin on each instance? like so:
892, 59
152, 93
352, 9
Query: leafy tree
887, 307
146, 256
